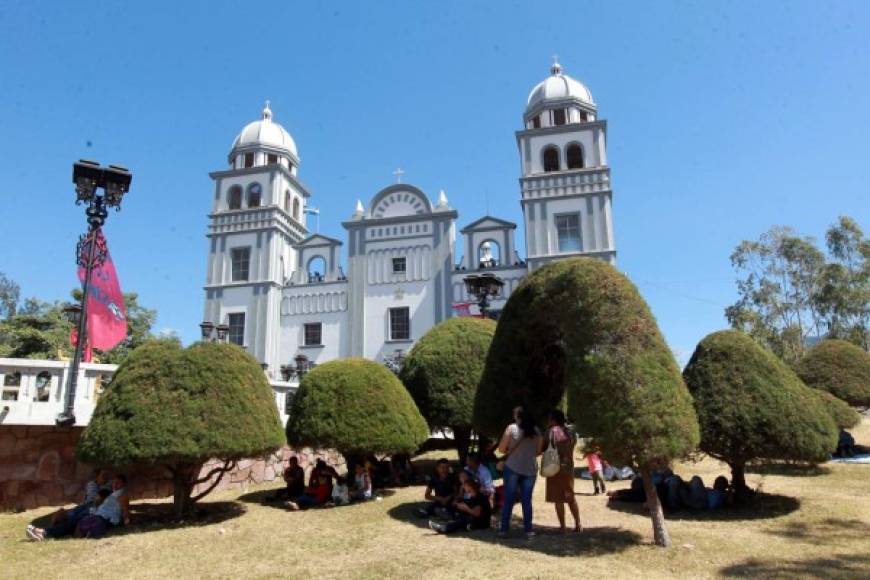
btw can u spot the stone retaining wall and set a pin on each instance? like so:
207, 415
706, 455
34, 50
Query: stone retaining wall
38, 468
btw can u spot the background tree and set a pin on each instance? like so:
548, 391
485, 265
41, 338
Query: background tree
840, 368
790, 291
40, 330
178, 408
580, 326
37, 330
10, 294
751, 406
442, 373
357, 407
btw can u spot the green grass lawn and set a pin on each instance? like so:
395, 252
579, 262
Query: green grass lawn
813, 523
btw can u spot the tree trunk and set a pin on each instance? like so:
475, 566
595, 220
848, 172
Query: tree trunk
738, 481
462, 438
182, 483
660, 532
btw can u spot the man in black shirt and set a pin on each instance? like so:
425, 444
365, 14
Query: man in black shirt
440, 489
472, 513
294, 477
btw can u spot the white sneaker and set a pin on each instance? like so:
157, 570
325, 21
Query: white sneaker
34, 534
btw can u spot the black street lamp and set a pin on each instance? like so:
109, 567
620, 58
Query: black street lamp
91, 251
483, 287
212, 332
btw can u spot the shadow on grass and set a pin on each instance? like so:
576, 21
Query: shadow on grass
827, 531
262, 497
762, 506
590, 542
155, 517
789, 469
836, 566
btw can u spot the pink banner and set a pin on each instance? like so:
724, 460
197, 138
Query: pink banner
107, 317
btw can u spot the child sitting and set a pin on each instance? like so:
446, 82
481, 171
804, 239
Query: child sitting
473, 512
340, 493
362, 484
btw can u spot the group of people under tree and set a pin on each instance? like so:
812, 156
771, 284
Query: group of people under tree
325, 485
106, 505
467, 501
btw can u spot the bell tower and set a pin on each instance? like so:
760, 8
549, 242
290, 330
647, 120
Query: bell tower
257, 217
565, 179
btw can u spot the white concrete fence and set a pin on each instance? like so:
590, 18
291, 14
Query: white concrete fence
33, 392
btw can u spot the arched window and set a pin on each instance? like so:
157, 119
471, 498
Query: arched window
575, 156
255, 195
316, 269
11, 386
488, 254
43, 387
287, 201
551, 158
297, 208
234, 197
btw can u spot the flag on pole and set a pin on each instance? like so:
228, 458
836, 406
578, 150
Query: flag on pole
87, 351
107, 317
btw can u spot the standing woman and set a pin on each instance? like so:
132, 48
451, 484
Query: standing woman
521, 443
560, 487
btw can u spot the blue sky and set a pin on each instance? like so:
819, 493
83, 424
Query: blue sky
723, 119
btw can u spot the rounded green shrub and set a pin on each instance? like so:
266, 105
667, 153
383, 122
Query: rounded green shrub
581, 327
181, 407
843, 415
840, 368
443, 370
752, 406
356, 406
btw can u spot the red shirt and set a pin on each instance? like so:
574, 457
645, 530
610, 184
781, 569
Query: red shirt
320, 493
594, 462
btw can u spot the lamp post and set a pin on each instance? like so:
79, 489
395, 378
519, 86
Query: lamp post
89, 178
483, 287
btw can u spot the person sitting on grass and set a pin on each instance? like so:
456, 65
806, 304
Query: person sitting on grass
440, 490
481, 473
294, 477
110, 509
473, 512
845, 445
322, 469
317, 493
362, 484
92, 488
340, 492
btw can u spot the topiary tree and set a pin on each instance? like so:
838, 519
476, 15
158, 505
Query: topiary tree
178, 408
580, 326
357, 407
840, 368
844, 416
442, 373
752, 406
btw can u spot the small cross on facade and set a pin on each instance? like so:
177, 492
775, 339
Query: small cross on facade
398, 173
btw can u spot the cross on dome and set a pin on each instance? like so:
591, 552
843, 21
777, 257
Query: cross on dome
398, 173
267, 111
556, 68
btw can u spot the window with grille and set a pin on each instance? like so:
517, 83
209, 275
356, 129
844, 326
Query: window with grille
313, 334
399, 265
559, 117
400, 323
241, 263
255, 195
234, 197
236, 322
568, 232
249, 159
551, 159
11, 386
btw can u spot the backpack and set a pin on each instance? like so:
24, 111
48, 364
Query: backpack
551, 465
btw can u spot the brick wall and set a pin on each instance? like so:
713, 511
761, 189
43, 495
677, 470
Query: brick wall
38, 468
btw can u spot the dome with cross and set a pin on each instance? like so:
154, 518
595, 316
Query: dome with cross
264, 134
559, 89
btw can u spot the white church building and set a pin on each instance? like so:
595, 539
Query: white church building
284, 291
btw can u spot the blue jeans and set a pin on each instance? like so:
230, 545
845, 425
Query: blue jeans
514, 481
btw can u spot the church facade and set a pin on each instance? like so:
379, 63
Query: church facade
284, 291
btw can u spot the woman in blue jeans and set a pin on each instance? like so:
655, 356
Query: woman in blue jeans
521, 443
